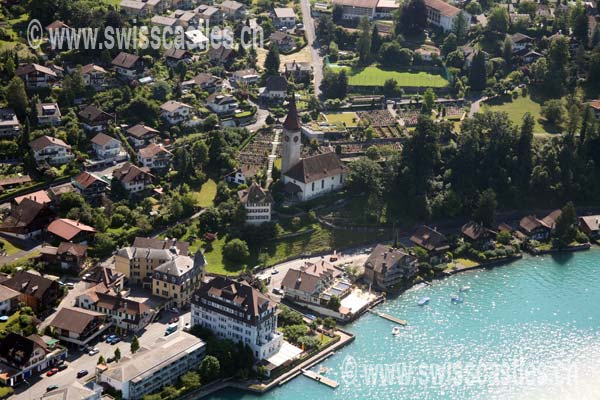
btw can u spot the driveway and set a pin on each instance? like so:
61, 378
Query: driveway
261, 117
317, 60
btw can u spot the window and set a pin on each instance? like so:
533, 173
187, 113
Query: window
322, 183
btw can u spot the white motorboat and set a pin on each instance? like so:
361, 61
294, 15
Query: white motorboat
465, 288
423, 301
396, 331
457, 299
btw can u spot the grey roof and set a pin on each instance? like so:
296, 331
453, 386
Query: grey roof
384, 257
316, 167
177, 266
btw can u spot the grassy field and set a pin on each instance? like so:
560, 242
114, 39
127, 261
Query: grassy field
9, 247
207, 194
349, 119
376, 76
516, 108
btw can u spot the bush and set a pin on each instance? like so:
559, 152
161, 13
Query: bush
236, 250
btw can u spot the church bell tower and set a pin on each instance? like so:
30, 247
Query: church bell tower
292, 138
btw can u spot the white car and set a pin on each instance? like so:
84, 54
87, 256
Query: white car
187, 327
94, 351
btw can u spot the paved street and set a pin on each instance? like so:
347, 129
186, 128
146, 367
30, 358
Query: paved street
317, 60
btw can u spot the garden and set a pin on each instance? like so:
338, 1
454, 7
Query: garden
376, 76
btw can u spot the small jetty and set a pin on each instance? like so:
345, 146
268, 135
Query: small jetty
320, 378
390, 318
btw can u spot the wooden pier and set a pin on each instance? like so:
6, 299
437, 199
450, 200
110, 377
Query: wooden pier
390, 318
320, 378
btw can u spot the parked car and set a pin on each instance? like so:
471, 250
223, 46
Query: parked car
310, 316
110, 338
53, 371
62, 367
278, 291
110, 359
70, 285
94, 351
174, 320
51, 388
187, 327
82, 373
274, 272
170, 329
115, 340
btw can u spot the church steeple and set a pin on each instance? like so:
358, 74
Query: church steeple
292, 143
292, 122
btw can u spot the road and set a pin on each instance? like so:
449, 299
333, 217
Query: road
317, 60
261, 117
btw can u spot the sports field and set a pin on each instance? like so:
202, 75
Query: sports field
375, 76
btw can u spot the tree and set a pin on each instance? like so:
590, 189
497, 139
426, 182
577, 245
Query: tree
450, 43
334, 303
485, 213
17, 97
428, 101
364, 176
498, 20
504, 237
375, 40
413, 17
209, 369
191, 379
236, 250
461, 26
391, 53
101, 360
565, 228
507, 50
272, 61
364, 42
117, 355
478, 72
329, 323
135, 344
553, 111
474, 8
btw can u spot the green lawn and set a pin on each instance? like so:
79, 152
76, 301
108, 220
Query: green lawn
376, 76
517, 108
9, 247
207, 194
349, 119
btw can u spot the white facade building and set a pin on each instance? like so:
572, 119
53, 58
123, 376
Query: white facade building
258, 203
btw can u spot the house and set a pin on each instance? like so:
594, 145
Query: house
428, 53
388, 267
78, 326
128, 66
9, 300
174, 56
13, 182
185, 18
133, 178
36, 291
48, 114
257, 202
108, 276
50, 150
153, 367
310, 177
233, 9
478, 235
204, 81
222, 104
284, 17
127, 314
178, 278
275, 89
309, 283
444, 15
175, 112
57, 25
196, 40
284, 41
590, 225
40, 196
595, 106
141, 135
523, 20
357, 9
108, 148
530, 57
75, 390
521, 42
138, 261
550, 219
220, 55
36, 76
9, 124
155, 157
27, 220
134, 8
534, 228
93, 75
90, 185
209, 14
299, 71
241, 175
68, 230
238, 312
431, 240
93, 119
385, 10
22, 358
160, 20
244, 77
56, 192
70, 256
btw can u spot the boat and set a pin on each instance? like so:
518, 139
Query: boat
465, 288
323, 370
423, 301
396, 331
457, 299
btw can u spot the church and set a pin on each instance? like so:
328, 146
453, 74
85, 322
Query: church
310, 177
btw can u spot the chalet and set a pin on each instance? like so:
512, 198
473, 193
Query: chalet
257, 202
159, 20
93, 119
185, 18
275, 89
530, 57
133, 178
90, 185
299, 71
210, 14
388, 267
107, 148
69, 256
27, 220
155, 157
309, 283
78, 326
220, 55
431, 240
9, 300
244, 77
521, 42
204, 81
222, 104
13, 181
37, 292
40, 196
128, 66
241, 175
550, 219
233, 9
141, 135
134, 8
68, 230
48, 114
478, 235
50, 150
534, 228
9, 124
590, 225
36, 76
284, 17
444, 15
175, 112
174, 56
284, 41
93, 75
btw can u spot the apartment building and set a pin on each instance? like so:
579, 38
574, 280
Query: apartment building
178, 278
387, 267
257, 202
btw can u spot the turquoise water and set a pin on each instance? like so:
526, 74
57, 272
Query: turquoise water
528, 330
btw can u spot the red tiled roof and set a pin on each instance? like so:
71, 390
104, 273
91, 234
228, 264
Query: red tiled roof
67, 228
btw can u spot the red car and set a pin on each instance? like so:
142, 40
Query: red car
53, 371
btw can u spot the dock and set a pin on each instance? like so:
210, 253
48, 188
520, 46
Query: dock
390, 318
320, 378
